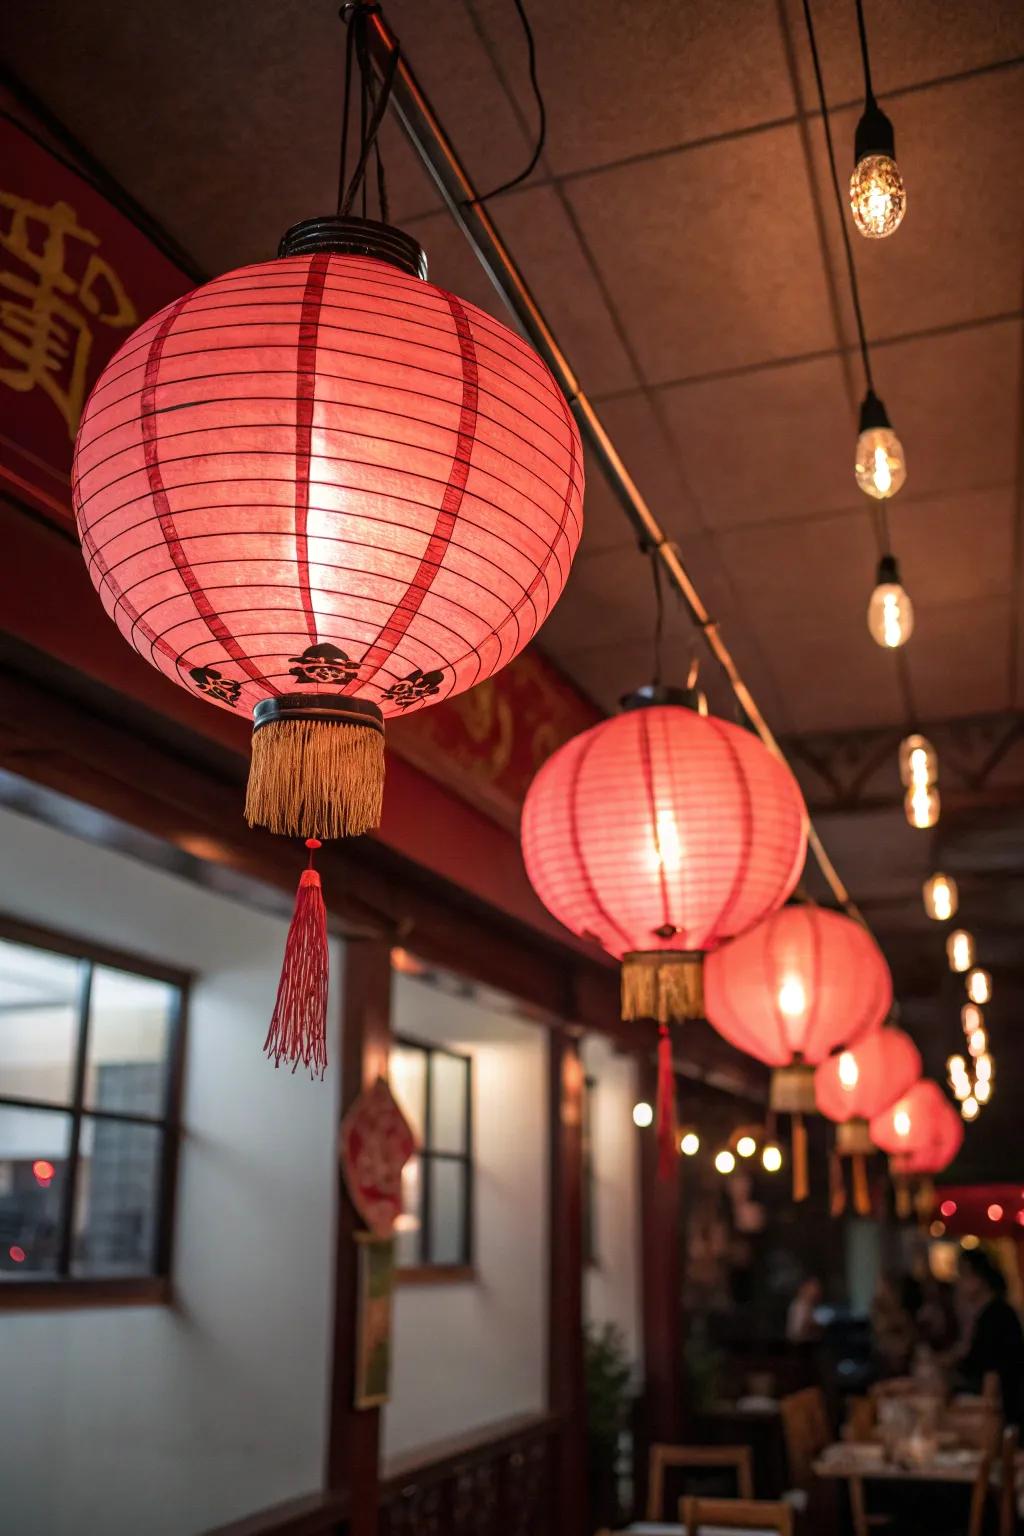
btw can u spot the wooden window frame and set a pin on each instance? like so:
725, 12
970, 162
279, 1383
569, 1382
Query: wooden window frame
425, 1270
65, 1289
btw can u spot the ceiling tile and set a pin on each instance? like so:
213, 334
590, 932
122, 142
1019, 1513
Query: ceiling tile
651, 457
622, 81
698, 262
774, 443
909, 43
959, 659
956, 549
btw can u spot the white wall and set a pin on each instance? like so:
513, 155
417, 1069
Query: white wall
159, 1420
470, 1354
612, 1285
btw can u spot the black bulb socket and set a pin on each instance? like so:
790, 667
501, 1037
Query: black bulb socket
874, 135
888, 574
873, 414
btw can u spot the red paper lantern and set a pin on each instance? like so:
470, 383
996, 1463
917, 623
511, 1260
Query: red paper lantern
922, 1132
798, 986
853, 1087
321, 491
865, 1079
659, 834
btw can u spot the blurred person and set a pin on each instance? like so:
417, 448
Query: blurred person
894, 1309
802, 1327
996, 1341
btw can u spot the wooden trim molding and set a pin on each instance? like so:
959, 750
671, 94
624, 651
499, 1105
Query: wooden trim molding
63, 1294
437, 1274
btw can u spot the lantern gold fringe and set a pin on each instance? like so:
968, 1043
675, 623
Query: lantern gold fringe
837, 1186
312, 778
662, 985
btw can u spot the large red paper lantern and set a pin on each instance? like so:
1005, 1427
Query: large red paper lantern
659, 834
922, 1132
318, 492
321, 491
854, 1086
799, 985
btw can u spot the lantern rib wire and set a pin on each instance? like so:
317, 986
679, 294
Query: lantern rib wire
426, 133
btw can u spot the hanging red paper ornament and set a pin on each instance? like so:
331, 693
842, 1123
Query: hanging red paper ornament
799, 985
320, 491
658, 834
854, 1086
922, 1133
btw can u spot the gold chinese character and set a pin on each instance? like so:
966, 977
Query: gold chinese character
46, 327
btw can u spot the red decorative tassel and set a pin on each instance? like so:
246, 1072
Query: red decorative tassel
801, 1187
837, 1186
861, 1188
298, 1029
666, 1105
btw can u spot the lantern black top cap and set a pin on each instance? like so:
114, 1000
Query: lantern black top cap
874, 135
337, 235
664, 693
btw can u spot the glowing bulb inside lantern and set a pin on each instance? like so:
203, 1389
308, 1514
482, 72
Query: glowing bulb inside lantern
969, 1107
979, 986
880, 466
878, 197
983, 1090
668, 848
746, 1146
940, 897
643, 1115
960, 950
690, 1144
890, 616
901, 1122
922, 805
792, 997
771, 1157
725, 1162
978, 1043
849, 1072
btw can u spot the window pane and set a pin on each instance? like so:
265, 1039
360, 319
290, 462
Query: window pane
129, 1039
33, 1159
38, 1022
408, 1228
407, 1073
116, 1198
447, 1211
449, 1085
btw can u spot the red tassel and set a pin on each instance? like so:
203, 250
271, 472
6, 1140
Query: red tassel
298, 1029
666, 1105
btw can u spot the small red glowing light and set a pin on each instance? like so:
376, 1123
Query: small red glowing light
43, 1170
17, 1254
995, 1213
1020, 1218
948, 1207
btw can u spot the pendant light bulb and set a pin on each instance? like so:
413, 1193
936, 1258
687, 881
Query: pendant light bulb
960, 953
890, 611
878, 197
940, 898
880, 466
922, 805
771, 1158
979, 986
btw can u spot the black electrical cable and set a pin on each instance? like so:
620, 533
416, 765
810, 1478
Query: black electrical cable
869, 95
542, 125
372, 106
840, 203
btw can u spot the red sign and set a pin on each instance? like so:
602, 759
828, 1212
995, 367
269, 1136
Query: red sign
376, 1144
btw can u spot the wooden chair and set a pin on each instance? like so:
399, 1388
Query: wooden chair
1008, 1482
863, 1522
861, 1419
698, 1458
806, 1432
736, 1515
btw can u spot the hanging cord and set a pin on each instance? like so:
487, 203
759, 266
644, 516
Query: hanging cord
372, 107
869, 95
542, 116
840, 205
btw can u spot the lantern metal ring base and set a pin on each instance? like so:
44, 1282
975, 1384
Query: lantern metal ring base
853, 1139
792, 1090
325, 708
334, 235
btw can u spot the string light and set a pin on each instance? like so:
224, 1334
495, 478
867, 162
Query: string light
940, 898
969, 1107
919, 771
746, 1146
725, 1162
880, 465
878, 198
643, 1115
937, 1228
983, 1090
983, 1068
771, 1158
979, 985
978, 1043
922, 805
960, 950
890, 611
971, 1017
689, 1146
